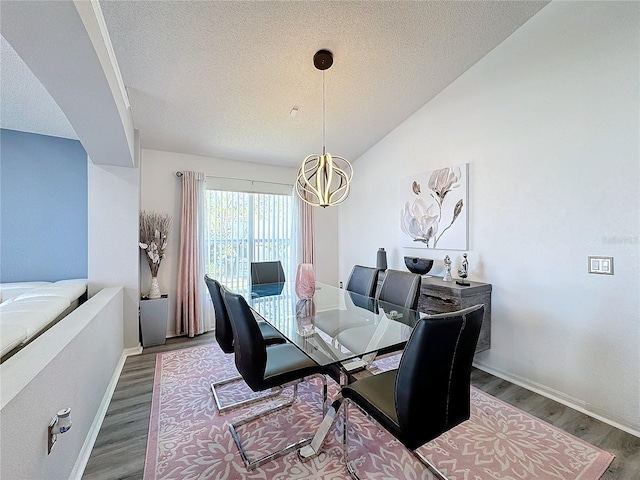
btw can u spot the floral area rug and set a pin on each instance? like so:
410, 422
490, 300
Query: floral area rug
188, 439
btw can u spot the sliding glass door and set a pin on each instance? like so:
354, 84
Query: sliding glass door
245, 228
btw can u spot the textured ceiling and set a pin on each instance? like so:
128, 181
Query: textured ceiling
25, 104
219, 78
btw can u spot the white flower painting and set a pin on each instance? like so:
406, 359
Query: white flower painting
435, 209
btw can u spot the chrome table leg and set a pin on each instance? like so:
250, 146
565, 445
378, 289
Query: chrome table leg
309, 451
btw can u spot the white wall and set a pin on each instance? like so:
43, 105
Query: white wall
161, 192
74, 364
549, 123
326, 243
114, 196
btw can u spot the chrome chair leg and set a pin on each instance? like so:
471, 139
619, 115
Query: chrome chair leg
427, 463
251, 464
325, 395
345, 442
274, 392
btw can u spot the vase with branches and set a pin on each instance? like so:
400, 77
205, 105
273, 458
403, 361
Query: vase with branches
154, 229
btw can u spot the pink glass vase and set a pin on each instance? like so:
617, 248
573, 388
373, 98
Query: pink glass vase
305, 281
305, 317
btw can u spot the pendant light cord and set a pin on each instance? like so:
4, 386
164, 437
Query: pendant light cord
323, 115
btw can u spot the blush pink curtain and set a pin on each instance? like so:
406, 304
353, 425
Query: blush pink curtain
190, 312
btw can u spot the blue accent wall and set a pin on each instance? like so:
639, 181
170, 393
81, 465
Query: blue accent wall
43, 208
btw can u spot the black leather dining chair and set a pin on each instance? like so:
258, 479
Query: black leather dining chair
429, 393
224, 337
265, 367
361, 290
362, 283
399, 292
267, 272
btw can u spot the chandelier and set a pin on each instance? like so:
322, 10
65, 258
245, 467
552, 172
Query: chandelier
323, 180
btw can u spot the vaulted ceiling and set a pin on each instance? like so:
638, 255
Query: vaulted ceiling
220, 78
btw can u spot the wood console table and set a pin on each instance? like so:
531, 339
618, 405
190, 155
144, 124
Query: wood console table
437, 296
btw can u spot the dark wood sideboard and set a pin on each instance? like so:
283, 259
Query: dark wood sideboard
438, 296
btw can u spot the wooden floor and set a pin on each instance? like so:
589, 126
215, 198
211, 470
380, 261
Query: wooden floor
119, 451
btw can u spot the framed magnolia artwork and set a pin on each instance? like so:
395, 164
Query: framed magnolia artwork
435, 208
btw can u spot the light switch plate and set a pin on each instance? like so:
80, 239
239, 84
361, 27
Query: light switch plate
601, 265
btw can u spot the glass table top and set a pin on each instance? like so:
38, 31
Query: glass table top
333, 325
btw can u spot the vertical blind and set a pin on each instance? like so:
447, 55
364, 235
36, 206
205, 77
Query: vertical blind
244, 228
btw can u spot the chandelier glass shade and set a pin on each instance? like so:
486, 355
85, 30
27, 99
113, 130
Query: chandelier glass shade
324, 180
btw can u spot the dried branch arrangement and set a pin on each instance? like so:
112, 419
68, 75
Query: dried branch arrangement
154, 228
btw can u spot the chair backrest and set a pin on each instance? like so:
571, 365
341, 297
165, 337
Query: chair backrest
248, 343
224, 333
400, 291
363, 280
362, 285
267, 272
432, 393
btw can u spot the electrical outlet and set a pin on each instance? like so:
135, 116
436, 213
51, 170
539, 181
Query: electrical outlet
59, 424
53, 438
601, 265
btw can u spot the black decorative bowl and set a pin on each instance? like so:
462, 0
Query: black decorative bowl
418, 265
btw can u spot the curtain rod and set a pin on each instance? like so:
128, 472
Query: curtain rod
179, 174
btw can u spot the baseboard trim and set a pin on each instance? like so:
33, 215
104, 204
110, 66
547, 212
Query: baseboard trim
132, 351
570, 402
92, 435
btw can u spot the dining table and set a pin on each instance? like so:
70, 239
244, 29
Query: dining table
338, 329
